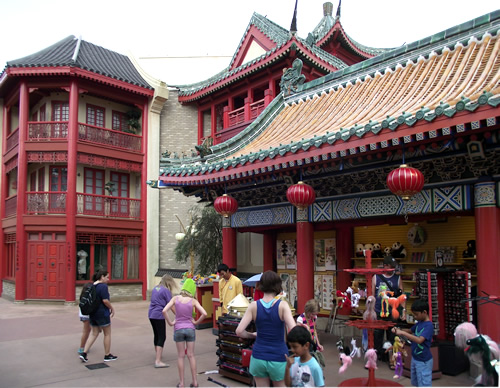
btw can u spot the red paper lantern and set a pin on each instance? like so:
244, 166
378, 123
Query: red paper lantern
225, 205
301, 195
405, 181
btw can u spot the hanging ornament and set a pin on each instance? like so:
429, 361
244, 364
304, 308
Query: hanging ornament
405, 181
301, 195
225, 205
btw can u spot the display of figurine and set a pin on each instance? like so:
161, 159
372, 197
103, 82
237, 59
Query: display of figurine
377, 251
355, 296
398, 251
371, 359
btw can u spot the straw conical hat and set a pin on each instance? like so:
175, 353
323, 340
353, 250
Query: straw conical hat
239, 301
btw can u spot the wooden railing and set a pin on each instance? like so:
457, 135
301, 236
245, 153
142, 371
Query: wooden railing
11, 206
58, 130
47, 130
54, 202
106, 206
236, 116
12, 140
109, 137
256, 108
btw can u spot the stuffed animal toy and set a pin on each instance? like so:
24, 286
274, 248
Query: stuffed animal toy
397, 356
353, 291
398, 251
345, 361
370, 314
384, 294
387, 251
355, 350
394, 303
343, 300
359, 250
371, 359
368, 247
471, 249
377, 251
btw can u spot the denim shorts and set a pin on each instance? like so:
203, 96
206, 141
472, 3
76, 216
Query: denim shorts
99, 320
185, 335
275, 370
421, 373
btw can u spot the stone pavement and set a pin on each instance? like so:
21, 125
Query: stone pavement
39, 342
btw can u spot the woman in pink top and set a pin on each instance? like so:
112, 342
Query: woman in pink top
184, 327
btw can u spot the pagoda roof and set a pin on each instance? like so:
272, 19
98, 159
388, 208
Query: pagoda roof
73, 52
281, 42
447, 79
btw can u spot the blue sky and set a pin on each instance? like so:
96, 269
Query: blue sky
161, 33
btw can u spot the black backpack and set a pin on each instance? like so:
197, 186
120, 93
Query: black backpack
89, 301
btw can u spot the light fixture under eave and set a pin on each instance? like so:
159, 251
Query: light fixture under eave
301, 195
225, 205
405, 181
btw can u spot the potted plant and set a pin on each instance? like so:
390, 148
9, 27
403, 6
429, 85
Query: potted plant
133, 117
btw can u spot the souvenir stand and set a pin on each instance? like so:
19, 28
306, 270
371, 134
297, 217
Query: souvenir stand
370, 325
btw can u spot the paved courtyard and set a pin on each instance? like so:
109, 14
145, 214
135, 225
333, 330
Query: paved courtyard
39, 342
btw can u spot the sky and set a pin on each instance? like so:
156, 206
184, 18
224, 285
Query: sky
186, 41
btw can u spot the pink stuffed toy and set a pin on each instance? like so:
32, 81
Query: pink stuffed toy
371, 359
370, 314
346, 362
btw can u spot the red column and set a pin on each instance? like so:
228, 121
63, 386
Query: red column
225, 118
269, 247
247, 113
22, 179
213, 121
3, 196
200, 125
268, 96
488, 263
143, 261
228, 243
71, 192
305, 260
345, 248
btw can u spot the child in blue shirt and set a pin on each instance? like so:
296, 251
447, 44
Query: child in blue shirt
302, 369
420, 336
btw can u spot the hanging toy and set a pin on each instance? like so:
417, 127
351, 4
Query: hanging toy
345, 361
355, 350
371, 359
397, 356
384, 293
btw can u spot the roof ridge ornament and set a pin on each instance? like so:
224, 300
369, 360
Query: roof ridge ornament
293, 26
337, 16
292, 79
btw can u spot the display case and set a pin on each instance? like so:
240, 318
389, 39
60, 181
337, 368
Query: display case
230, 349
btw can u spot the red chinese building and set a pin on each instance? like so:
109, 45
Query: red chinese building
74, 135
342, 127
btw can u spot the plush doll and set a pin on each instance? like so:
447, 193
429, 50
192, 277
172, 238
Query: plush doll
359, 250
398, 251
355, 351
394, 303
368, 247
345, 361
377, 251
384, 294
353, 291
397, 356
370, 314
471, 249
371, 359
387, 251
343, 300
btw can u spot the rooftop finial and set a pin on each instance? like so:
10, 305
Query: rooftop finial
327, 9
338, 10
293, 27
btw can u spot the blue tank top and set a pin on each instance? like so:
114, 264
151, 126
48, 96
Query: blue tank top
392, 281
270, 344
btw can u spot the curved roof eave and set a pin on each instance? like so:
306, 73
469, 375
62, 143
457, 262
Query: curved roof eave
225, 78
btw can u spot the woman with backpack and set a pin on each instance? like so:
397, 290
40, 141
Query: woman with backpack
100, 319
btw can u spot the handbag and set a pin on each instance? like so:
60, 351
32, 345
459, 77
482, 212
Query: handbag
319, 357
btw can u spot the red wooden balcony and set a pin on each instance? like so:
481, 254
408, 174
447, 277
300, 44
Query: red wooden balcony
54, 202
10, 206
58, 130
12, 140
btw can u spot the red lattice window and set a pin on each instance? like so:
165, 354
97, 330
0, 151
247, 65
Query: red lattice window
95, 115
10, 255
119, 121
60, 111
